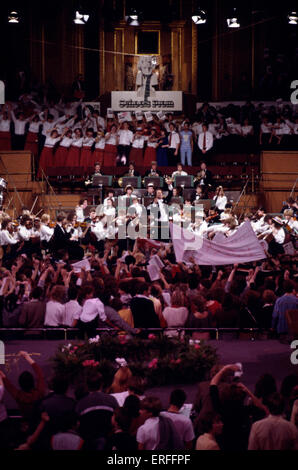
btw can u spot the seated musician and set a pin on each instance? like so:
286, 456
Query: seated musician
198, 194
150, 190
128, 191
27, 234
227, 227
8, 240
131, 170
153, 171
204, 176
277, 238
80, 208
259, 224
179, 171
110, 194
290, 221
97, 170
135, 209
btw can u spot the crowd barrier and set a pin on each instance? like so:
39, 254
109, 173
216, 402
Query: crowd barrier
72, 333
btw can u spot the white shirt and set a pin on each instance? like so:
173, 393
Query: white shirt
72, 312
208, 140
234, 128
19, 126
111, 139
77, 142
273, 433
66, 142
98, 230
197, 128
7, 239
175, 317
206, 442
101, 143
50, 142
183, 425
80, 214
246, 129
148, 433
138, 142
266, 127
24, 233
279, 235
34, 127
88, 142
46, 232
4, 125
92, 308
125, 137
221, 202
179, 173
174, 140
55, 313
136, 209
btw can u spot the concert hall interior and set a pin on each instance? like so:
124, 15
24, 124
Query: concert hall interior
148, 221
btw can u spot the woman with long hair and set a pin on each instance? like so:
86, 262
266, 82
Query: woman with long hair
220, 199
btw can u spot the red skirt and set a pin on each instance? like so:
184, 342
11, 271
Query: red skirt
5, 141
110, 154
46, 160
136, 156
32, 142
87, 158
73, 157
150, 156
61, 156
98, 155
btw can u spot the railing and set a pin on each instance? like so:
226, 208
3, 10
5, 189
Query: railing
179, 330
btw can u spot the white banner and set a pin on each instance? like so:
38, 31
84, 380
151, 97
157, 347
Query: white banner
161, 101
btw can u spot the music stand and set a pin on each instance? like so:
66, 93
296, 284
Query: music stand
206, 203
147, 200
157, 181
101, 180
185, 181
134, 181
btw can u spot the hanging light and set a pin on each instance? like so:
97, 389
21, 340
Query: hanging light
133, 19
293, 18
200, 16
233, 21
13, 17
80, 18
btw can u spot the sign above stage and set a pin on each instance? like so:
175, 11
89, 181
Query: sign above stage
146, 98
159, 101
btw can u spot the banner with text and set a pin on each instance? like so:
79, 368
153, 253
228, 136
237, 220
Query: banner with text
160, 101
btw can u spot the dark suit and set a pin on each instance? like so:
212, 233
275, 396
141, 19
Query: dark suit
135, 173
158, 173
32, 314
60, 239
143, 313
207, 180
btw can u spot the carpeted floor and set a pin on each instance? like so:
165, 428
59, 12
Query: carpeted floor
257, 357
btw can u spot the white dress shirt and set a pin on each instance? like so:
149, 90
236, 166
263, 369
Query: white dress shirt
73, 312
174, 140
4, 125
125, 137
221, 202
55, 313
208, 140
7, 239
66, 142
80, 214
46, 233
92, 308
101, 143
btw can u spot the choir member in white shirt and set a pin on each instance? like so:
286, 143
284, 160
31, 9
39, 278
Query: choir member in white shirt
47, 154
110, 195
99, 148
74, 153
205, 140
174, 145
110, 150
19, 136
150, 152
265, 131
32, 135
5, 136
137, 148
279, 130
87, 154
125, 141
220, 199
61, 154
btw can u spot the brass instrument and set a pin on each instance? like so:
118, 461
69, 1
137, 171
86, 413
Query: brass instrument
120, 182
201, 174
169, 179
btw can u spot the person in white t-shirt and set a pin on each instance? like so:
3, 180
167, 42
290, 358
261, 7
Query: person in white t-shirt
73, 309
92, 311
125, 141
148, 434
212, 427
181, 422
55, 310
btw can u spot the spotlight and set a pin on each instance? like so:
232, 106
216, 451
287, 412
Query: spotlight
13, 17
200, 16
133, 19
81, 18
293, 17
233, 21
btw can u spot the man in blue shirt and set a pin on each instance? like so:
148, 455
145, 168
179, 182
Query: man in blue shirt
186, 146
288, 301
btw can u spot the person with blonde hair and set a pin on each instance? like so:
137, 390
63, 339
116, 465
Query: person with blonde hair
177, 314
46, 232
121, 379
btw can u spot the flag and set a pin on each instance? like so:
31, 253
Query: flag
242, 247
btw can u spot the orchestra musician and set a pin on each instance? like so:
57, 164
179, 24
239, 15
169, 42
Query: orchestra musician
153, 171
204, 176
131, 170
179, 171
80, 208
